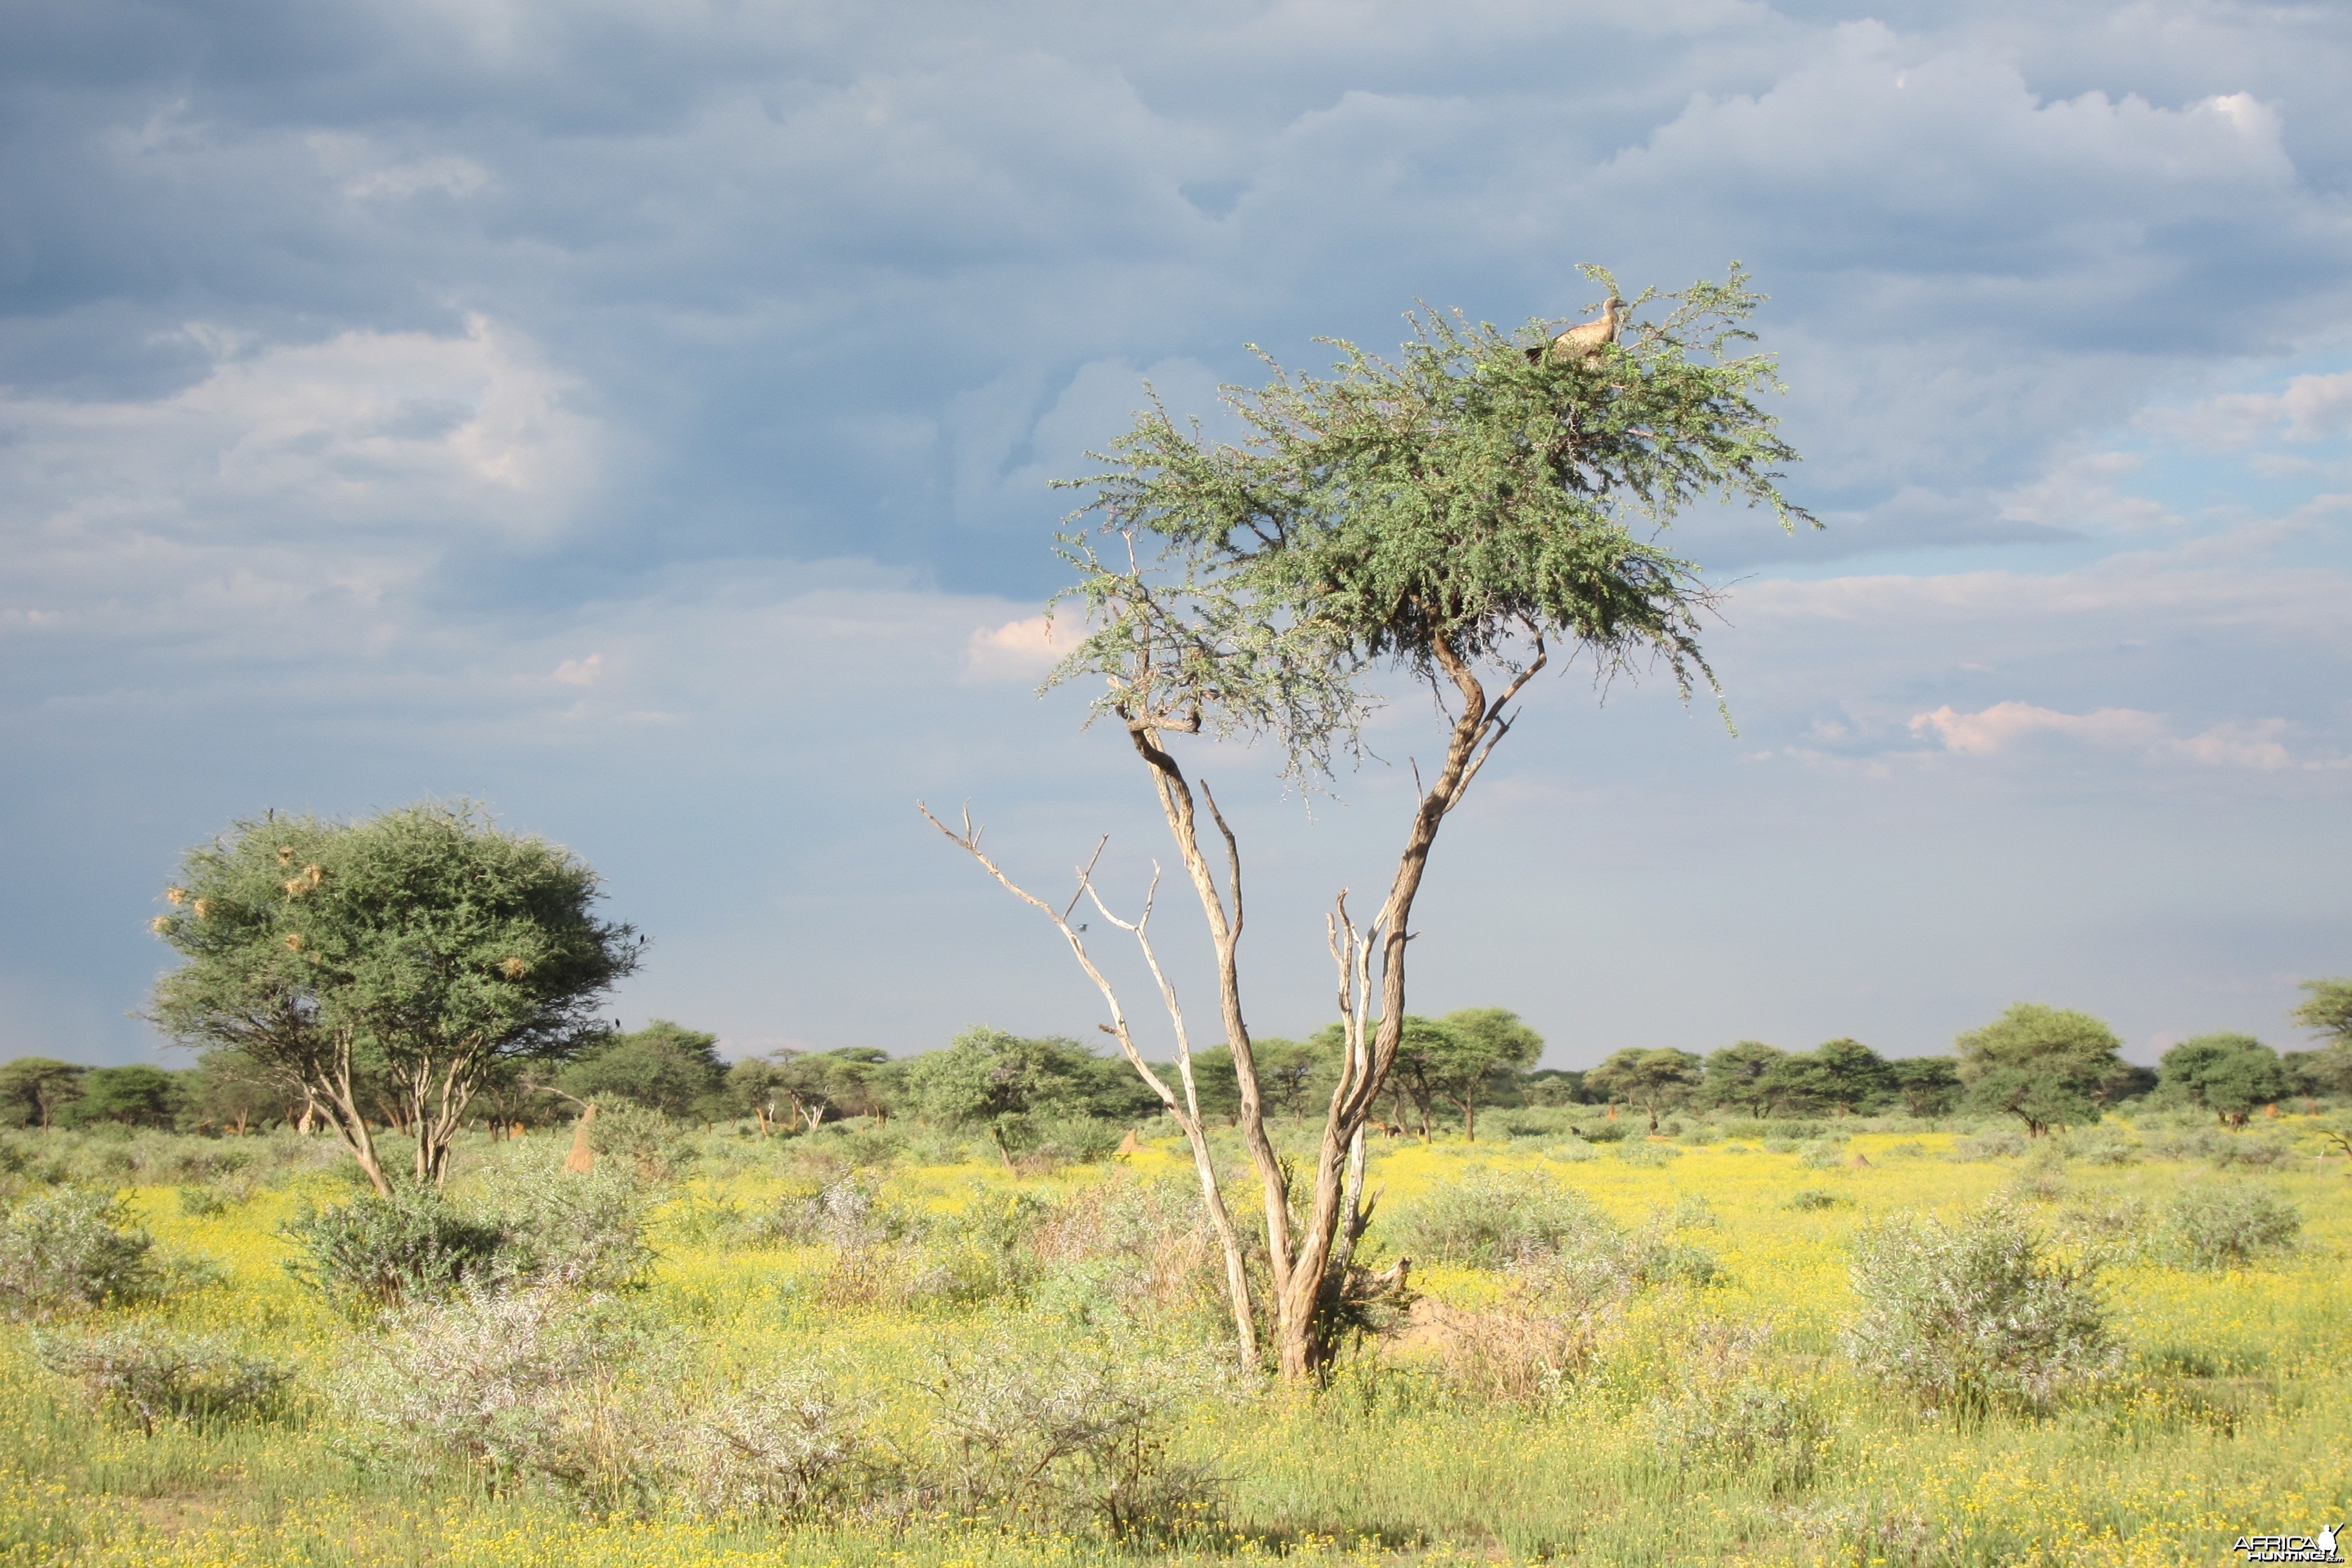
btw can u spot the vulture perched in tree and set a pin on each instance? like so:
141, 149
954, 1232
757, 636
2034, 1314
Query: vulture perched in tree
1584, 341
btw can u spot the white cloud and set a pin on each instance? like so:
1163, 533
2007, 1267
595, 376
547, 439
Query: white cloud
450, 175
289, 481
581, 671
2012, 726
1021, 650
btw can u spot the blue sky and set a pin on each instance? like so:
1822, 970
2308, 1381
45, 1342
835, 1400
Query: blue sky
637, 417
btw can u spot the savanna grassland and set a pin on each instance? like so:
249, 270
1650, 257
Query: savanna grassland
841, 1347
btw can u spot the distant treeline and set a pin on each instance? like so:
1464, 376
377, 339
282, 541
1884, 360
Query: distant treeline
2043, 1066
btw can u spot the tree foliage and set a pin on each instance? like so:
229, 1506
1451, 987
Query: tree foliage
2229, 1075
663, 1066
1655, 1080
424, 942
2048, 1066
33, 1089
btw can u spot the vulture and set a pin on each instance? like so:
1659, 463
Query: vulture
1584, 341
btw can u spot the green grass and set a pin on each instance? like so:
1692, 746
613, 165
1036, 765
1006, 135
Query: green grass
2231, 1417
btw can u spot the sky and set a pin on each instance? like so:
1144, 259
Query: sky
638, 417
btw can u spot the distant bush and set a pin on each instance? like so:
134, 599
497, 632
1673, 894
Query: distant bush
152, 1372
1691, 1212
1745, 1127
2102, 1145
1698, 1136
1648, 1154
198, 1202
1906, 1151
1992, 1143
2224, 1150
1797, 1131
376, 1252
2252, 1150
2225, 1226
1487, 1219
1603, 1132
1121, 1248
2042, 1178
1821, 1156
71, 1250
1574, 1153
1976, 1316
1063, 1141
1812, 1200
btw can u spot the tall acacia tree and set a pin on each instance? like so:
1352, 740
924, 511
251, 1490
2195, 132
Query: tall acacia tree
423, 942
1464, 514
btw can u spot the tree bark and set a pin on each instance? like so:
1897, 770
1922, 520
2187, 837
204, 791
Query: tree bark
1301, 1264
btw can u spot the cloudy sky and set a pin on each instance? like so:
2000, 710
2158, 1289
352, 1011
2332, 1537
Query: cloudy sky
637, 417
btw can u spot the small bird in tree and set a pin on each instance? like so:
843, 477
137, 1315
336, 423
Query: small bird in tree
1584, 341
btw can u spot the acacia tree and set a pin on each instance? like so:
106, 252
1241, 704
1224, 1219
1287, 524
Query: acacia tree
423, 942
2227, 1074
1655, 1080
2048, 1066
1461, 515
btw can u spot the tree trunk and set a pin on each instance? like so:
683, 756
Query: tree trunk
343, 1110
1303, 1278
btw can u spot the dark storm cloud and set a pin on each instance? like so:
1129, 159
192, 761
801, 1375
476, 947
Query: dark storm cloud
607, 406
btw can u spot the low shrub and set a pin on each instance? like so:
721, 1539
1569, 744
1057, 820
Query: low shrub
2252, 1150
1120, 1248
1992, 1143
1797, 1132
571, 1227
2226, 1226
1723, 1415
377, 1252
1821, 1156
1071, 1439
1812, 1200
1574, 1153
1489, 1217
2100, 1144
1647, 1155
152, 1372
531, 1387
643, 1139
2042, 1178
791, 1447
1979, 1316
1603, 1131
71, 1250
198, 1202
